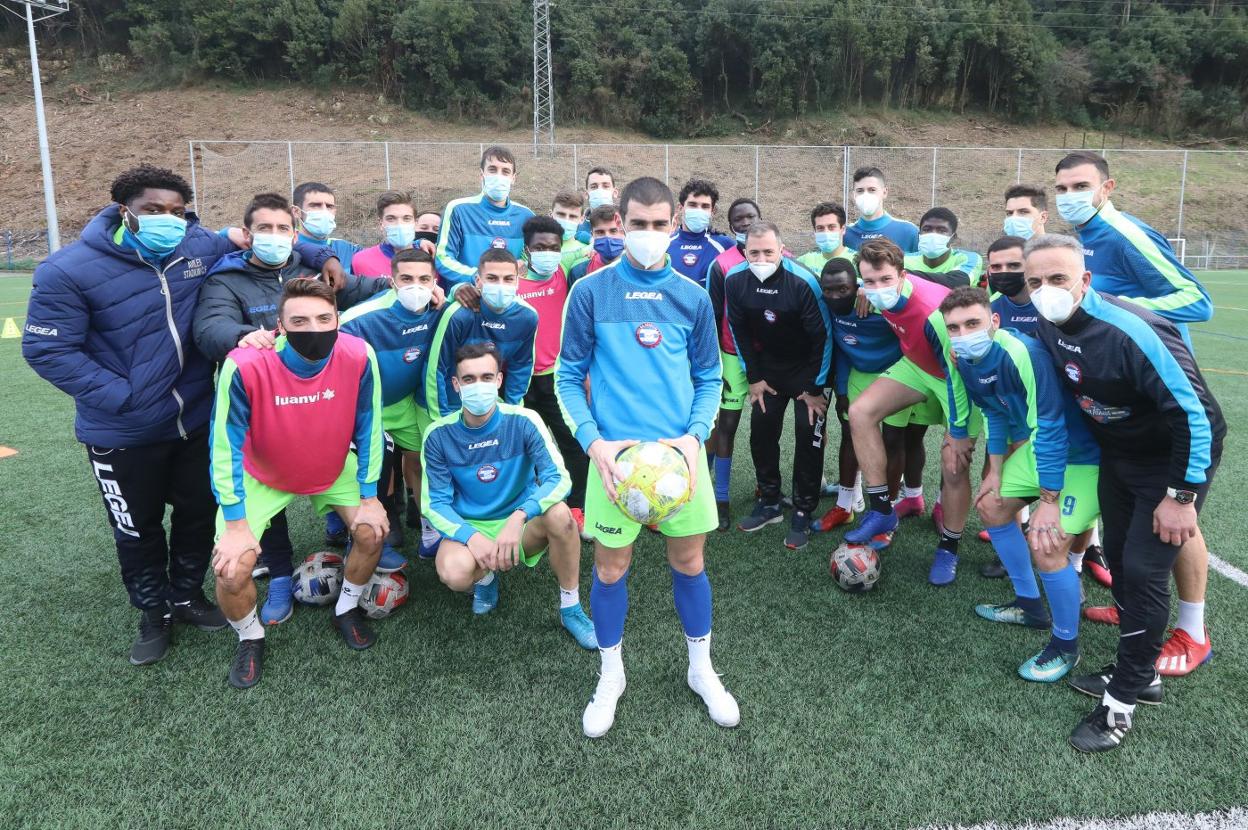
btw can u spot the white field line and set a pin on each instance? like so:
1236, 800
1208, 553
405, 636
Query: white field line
1230, 572
1234, 818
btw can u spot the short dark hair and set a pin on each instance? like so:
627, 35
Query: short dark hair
302, 191
306, 287
499, 153
699, 187
501, 254
599, 171
941, 213
762, 226
839, 265
568, 199
1079, 157
603, 214
481, 348
868, 173
541, 224
825, 208
134, 181
1034, 192
1007, 242
391, 198
965, 296
412, 254
879, 252
647, 191
265, 201
745, 200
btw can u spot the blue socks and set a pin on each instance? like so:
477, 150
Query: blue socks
723, 475
1062, 589
1011, 546
692, 595
609, 604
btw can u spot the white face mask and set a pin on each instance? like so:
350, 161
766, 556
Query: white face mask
414, 297
883, 298
867, 203
763, 270
647, 247
1054, 304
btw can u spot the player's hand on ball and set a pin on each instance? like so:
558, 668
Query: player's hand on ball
1046, 534
236, 551
757, 390
508, 541
603, 452
689, 447
484, 550
371, 513
258, 339
1174, 523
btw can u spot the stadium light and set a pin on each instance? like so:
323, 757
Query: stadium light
52, 9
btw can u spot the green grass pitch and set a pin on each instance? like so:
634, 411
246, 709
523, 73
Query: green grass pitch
891, 709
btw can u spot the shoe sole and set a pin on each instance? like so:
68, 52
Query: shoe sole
593, 736
720, 724
757, 527
1173, 673
802, 546
1097, 696
162, 656
289, 614
381, 570
1041, 626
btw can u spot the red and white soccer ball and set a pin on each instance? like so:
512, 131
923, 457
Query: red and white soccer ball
384, 593
318, 579
856, 568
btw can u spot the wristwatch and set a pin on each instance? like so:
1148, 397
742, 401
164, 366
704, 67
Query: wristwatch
1181, 496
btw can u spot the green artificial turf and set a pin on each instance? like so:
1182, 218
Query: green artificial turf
890, 709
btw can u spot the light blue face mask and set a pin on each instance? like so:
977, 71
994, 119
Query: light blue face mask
933, 245
544, 263
569, 228
883, 298
741, 238
697, 220
272, 248
401, 235
160, 233
599, 197
1076, 208
1019, 226
319, 223
496, 188
498, 296
480, 397
827, 241
971, 346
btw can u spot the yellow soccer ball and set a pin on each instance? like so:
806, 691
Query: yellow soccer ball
654, 482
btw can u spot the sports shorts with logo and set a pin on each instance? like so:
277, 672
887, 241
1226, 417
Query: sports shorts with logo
608, 524
263, 502
406, 423
1078, 502
736, 386
927, 413
490, 528
907, 373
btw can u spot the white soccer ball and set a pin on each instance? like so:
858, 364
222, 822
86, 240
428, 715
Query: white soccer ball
856, 568
318, 579
383, 593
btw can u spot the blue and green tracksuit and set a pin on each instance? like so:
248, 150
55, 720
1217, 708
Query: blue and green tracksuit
485, 474
342, 248
513, 332
904, 233
471, 226
400, 340
692, 253
959, 267
867, 344
1022, 318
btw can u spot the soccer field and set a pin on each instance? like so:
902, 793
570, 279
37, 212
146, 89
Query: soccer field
897, 708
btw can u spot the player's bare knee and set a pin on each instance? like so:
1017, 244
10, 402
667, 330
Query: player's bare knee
610, 572
366, 536
455, 572
559, 522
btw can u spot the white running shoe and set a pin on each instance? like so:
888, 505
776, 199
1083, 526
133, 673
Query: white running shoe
600, 713
721, 705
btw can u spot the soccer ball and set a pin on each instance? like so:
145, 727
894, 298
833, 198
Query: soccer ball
856, 568
383, 593
318, 579
653, 484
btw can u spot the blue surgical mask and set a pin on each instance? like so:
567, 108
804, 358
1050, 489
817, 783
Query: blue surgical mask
599, 197
496, 188
272, 248
569, 228
609, 247
1076, 207
932, 245
883, 298
161, 233
401, 235
1019, 226
827, 241
480, 397
319, 223
740, 237
971, 346
697, 219
544, 263
498, 296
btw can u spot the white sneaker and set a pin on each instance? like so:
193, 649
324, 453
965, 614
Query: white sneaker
600, 713
721, 705
860, 503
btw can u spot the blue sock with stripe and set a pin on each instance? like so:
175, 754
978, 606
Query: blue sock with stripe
723, 476
609, 603
692, 595
1062, 589
1011, 545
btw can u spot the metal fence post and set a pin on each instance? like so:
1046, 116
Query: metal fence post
756, 172
194, 184
934, 154
576, 168
667, 173
290, 164
844, 174
1018, 176
387, 146
1182, 195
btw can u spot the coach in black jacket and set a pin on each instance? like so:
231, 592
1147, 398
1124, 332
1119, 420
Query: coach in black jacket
781, 330
1160, 432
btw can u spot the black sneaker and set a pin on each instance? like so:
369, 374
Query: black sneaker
155, 631
1101, 731
763, 515
994, 569
354, 630
248, 664
395, 537
338, 538
199, 612
412, 517
1094, 685
799, 531
725, 520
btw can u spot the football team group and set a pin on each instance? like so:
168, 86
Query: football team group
475, 375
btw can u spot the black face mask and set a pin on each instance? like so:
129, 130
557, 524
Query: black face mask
428, 236
1009, 283
313, 346
842, 307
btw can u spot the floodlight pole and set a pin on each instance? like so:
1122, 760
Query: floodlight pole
45, 158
